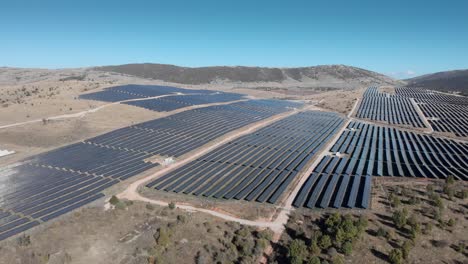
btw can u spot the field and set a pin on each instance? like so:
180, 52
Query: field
221, 175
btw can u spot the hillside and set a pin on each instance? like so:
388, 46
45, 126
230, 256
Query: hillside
448, 81
325, 76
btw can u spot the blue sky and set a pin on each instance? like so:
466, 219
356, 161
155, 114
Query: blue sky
398, 38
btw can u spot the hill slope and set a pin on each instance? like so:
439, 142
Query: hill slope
330, 76
448, 81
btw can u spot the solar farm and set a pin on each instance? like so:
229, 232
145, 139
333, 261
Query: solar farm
313, 158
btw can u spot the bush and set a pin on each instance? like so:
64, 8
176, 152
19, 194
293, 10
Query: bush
399, 218
394, 200
430, 189
114, 200
162, 237
181, 219
381, 232
24, 240
450, 180
333, 220
314, 248
347, 248
325, 242
297, 251
463, 194
451, 222
149, 206
395, 256
427, 229
337, 260
406, 248
362, 224
265, 234
172, 205
314, 260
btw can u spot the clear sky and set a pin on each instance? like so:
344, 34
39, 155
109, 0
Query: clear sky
399, 38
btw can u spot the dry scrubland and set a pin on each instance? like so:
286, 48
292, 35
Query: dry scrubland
411, 221
137, 233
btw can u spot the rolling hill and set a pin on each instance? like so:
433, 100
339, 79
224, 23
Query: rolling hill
447, 81
329, 76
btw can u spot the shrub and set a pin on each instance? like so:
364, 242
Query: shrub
149, 206
451, 222
406, 248
362, 224
114, 200
427, 229
399, 218
430, 189
347, 248
395, 256
440, 243
325, 242
24, 240
414, 200
314, 248
333, 220
162, 237
172, 205
181, 219
265, 234
337, 260
243, 231
297, 250
461, 247
394, 200
450, 180
463, 194
314, 260
381, 232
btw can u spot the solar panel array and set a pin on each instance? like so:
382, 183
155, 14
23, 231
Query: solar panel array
445, 113
178, 134
132, 91
56, 182
334, 184
259, 166
367, 150
179, 101
392, 109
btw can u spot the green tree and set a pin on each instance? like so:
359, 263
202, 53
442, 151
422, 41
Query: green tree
333, 220
325, 242
297, 251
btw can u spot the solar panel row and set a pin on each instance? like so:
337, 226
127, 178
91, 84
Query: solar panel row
392, 109
179, 101
259, 166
